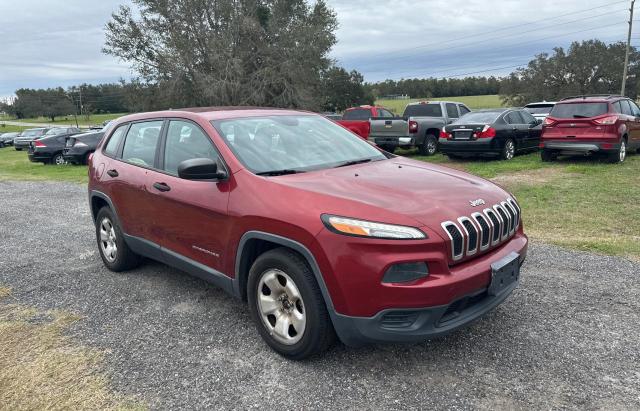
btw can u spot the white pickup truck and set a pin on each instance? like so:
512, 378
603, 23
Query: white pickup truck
419, 126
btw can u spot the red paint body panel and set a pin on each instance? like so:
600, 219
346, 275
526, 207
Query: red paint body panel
213, 216
360, 127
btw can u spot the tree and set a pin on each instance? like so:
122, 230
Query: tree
34, 103
589, 67
343, 89
227, 52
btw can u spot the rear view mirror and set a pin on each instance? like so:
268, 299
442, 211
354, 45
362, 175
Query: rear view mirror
200, 169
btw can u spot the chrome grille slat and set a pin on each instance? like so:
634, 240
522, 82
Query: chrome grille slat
482, 230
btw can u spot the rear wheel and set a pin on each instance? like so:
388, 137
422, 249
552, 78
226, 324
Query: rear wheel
58, 159
115, 252
287, 306
429, 146
619, 155
508, 150
548, 156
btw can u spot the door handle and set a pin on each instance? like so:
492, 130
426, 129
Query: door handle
161, 187
113, 173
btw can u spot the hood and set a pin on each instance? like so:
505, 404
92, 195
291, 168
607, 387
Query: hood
427, 193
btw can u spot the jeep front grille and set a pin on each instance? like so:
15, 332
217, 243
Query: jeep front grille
482, 230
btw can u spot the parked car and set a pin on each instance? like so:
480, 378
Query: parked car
24, 139
605, 125
357, 119
79, 147
6, 139
322, 233
540, 110
48, 148
419, 126
495, 132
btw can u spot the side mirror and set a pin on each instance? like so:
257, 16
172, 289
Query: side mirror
200, 169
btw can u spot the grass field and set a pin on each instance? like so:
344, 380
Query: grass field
8, 129
579, 203
82, 120
15, 165
473, 102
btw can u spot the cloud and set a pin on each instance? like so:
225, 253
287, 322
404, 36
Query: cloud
58, 42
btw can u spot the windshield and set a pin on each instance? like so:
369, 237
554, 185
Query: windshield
478, 117
539, 109
579, 110
423, 110
293, 143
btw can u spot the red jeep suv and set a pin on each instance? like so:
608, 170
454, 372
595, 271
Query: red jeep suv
586, 125
321, 233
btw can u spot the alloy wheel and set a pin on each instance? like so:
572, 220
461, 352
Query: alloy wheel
281, 307
623, 151
59, 160
108, 244
431, 146
509, 150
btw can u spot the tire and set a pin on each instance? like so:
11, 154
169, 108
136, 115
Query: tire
429, 146
508, 149
18, 149
548, 156
58, 159
620, 155
287, 306
109, 235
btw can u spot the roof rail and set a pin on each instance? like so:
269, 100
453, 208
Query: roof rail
584, 96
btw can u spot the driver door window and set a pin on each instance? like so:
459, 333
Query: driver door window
186, 141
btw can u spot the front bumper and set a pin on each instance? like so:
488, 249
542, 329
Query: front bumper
484, 145
578, 147
401, 325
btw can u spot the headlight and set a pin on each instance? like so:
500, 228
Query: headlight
79, 144
360, 228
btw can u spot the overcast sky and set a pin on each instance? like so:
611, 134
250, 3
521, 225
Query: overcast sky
50, 43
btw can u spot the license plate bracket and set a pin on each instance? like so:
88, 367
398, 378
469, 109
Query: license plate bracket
504, 273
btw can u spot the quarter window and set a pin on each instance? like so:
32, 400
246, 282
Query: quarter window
186, 141
114, 141
141, 143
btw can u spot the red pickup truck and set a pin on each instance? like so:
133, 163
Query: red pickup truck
356, 119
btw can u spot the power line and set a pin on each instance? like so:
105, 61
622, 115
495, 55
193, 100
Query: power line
506, 28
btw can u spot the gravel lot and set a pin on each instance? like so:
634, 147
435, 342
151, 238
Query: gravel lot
567, 338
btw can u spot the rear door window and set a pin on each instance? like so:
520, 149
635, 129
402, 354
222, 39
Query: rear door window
579, 110
114, 141
626, 108
513, 118
634, 108
141, 143
357, 114
528, 118
463, 110
452, 110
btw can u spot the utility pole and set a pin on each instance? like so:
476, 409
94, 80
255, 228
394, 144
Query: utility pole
626, 55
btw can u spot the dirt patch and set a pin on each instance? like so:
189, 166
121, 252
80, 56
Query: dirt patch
533, 177
40, 368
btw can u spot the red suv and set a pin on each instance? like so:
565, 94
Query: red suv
586, 125
322, 233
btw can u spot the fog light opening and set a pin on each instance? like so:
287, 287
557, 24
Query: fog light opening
405, 272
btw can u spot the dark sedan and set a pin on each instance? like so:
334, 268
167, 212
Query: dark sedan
497, 132
6, 139
48, 148
24, 139
78, 148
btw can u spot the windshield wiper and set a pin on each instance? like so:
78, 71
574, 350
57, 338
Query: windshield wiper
280, 172
353, 162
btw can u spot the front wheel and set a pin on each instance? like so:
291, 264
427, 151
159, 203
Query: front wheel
287, 306
429, 146
508, 150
